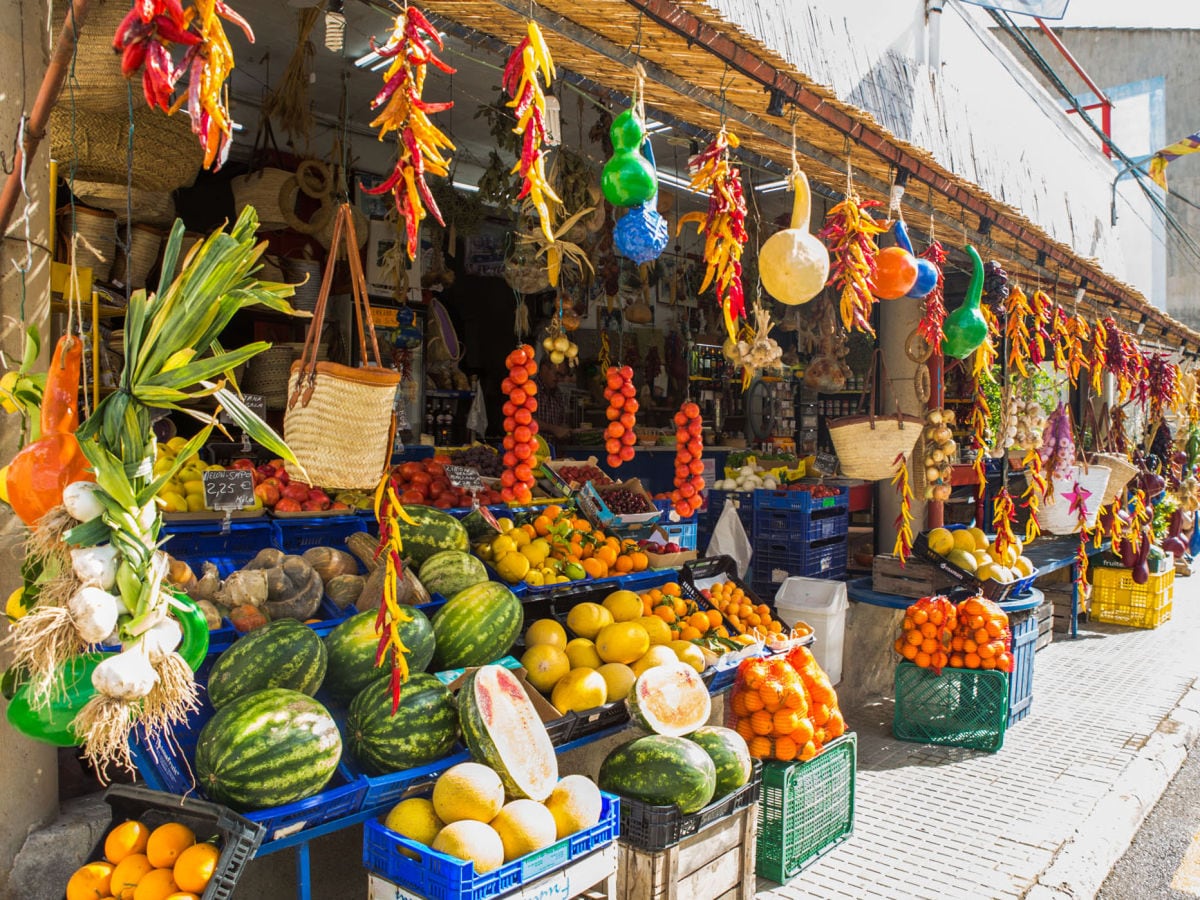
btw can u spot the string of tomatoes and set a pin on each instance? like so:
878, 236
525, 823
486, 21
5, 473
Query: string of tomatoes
619, 434
689, 464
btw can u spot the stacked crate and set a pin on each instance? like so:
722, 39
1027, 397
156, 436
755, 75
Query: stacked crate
797, 534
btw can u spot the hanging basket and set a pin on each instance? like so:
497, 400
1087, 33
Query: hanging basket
867, 445
525, 273
148, 207
1055, 514
97, 83
1122, 472
305, 274
166, 155
97, 247
261, 189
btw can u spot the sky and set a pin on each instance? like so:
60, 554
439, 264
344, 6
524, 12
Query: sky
1131, 14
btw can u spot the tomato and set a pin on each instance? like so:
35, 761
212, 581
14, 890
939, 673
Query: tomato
409, 469
412, 496
506, 386
436, 466
421, 479
631, 404
439, 485
444, 502
508, 408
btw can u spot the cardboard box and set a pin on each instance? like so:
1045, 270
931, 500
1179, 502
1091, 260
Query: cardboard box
591, 502
551, 467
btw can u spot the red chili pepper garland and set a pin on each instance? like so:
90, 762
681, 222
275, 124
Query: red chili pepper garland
520, 427
849, 233
1004, 513
530, 58
1042, 311
1017, 330
1162, 383
689, 465
144, 39
421, 142
1036, 487
1097, 356
933, 316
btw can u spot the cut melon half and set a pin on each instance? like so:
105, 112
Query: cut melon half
502, 729
670, 700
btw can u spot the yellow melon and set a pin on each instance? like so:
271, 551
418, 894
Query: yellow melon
625, 606
575, 805
964, 540
578, 690
658, 630
468, 791
524, 826
940, 541
582, 654
622, 642
546, 631
545, 664
586, 619
657, 655
477, 842
619, 679
416, 819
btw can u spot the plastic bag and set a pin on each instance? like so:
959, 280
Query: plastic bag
729, 539
477, 420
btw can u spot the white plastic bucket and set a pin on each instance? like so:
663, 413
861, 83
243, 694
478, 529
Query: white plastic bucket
822, 604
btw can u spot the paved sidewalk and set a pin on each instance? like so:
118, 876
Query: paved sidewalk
949, 823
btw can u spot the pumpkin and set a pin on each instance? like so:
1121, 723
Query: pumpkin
330, 562
927, 272
966, 328
895, 270
793, 264
639, 314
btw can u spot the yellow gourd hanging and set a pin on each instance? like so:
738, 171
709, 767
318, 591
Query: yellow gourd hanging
793, 264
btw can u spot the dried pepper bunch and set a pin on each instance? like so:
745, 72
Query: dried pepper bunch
723, 226
1060, 337
933, 312
1162, 383
421, 142
1097, 354
1077, 354
1042, 312
1036, 487
144, 39
388, 513
1004, 513
1016, 329
1123, 358
849, 233
904, 532
529, 59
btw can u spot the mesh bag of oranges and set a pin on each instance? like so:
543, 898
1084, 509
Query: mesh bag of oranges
927, 633
972, 635
785, 707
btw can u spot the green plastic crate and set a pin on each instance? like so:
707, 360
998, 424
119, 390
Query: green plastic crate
959, 708
806, 809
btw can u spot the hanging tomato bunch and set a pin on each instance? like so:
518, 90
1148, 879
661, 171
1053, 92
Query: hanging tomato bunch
421, 142
850, 233
619, 436
530, 58
689, 466
723, 226
520, 428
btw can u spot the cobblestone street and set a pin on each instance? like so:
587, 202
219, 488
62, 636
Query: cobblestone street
938, 822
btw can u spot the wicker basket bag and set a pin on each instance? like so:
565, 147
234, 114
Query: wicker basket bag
867, 445
340, 420
97, 82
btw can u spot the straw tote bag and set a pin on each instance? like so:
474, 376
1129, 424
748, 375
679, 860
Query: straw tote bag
867, 445
340, 419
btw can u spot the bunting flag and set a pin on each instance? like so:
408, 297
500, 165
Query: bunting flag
1042, 9
1170, 153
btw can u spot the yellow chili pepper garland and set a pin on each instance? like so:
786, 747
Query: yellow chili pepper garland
904, 533
529, 59
389, 512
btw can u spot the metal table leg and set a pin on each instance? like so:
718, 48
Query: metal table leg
303, 884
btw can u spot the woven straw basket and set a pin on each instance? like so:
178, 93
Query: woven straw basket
143, 254
1055, 514
1122, 472
305, 274
267, 374
149, 207
261, 190
867, 446
166, 155
97, 246
98, 84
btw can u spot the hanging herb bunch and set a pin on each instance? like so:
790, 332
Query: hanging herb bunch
420, 141
145, 39
498, 185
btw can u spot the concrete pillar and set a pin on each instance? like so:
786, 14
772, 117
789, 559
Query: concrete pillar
28, 770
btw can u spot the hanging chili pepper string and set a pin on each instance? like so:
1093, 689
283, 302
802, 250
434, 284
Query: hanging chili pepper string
1016, 330
530, 59
144, 39
849, 232
1042, 312
981, 412
210, 63
1077, 356
1036, 487
933, 315
389, 513
1097, 357
904, 521
1004, 513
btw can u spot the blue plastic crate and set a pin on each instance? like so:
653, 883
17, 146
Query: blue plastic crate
685, 534
821, 559
1024, 629
801, 501
199, 542
744, 500
295, 535
802, 526
437, 876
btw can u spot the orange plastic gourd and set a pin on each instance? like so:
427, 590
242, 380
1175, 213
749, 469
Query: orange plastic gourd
37, 475
793, 264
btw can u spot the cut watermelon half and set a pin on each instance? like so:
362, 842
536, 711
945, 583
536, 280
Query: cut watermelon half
502, 729
670, 700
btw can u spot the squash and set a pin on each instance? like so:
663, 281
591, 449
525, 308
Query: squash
294, 589
344, 590
330, 562
966, 328
793, 264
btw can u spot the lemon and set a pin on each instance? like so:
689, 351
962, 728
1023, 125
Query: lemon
4, 484
582, 654
536, 551
659, 655
619, 678
658, 630
177, 443
587, 619
195, 502
520, 537
625, 606
578, 690
7, 384
512, 567
173, 502
546, 631
194, 487
162, 465
545, 665
535, 578
502, 546
561, 579
506, 525
940, 540
965, 541
979, 537
688, 654
15, 607
622, 642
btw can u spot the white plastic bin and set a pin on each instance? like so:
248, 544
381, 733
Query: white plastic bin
822, 604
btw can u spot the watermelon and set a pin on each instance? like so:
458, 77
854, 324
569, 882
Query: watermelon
450, 571
266, 749
478, 528
729, 754
423, 729
282, 654
502, 728
669, 700
351, 648
661, 771
433, 530
477, 626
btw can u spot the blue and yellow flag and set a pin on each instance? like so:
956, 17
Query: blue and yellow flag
1170, 153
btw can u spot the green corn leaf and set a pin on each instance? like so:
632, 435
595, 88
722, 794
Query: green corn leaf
171, 255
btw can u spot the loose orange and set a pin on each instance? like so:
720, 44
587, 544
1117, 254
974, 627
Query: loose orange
128, 837
623, 564
167, 842
195, 867
91, 881
156, 885
641, 561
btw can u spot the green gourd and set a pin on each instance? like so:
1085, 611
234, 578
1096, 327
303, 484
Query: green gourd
965, 328
628, 178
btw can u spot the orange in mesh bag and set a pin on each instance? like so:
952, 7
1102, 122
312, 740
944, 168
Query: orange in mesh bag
927, 633
982, 639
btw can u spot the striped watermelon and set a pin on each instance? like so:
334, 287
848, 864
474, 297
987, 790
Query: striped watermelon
266, 749
450, 571
503, 731
670, 700
432, 532
282, 654
351, 648
729, 753
661, 771
476, 626
423, 729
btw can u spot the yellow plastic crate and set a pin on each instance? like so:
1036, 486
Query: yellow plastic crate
1117, 600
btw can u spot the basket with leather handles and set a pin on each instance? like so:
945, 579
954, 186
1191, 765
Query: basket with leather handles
867, 445
340, 419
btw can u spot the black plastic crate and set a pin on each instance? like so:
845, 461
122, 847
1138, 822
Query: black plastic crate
714, 567
994, 590
239, 836
655, 828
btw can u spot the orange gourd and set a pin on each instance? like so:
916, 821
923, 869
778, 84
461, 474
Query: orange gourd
895, 273
37, 475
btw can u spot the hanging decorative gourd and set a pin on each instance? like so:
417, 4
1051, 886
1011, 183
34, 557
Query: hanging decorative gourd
927, 272
628, 178
895, 268
642, 233
793, 264
965, 328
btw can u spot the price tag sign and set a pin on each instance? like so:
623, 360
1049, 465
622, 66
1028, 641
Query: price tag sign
231, 489
256, 403
826, 463
464, 477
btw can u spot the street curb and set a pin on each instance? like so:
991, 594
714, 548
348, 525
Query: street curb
1082, 863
